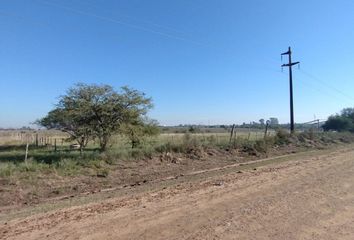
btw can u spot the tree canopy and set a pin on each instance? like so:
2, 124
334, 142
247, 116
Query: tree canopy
88, 112
341, 122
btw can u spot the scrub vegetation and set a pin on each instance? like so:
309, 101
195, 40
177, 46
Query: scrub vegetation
118, 145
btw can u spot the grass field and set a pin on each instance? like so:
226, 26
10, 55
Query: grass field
50, 173
47, 136
50, 150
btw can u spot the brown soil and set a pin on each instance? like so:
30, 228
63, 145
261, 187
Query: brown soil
310, 197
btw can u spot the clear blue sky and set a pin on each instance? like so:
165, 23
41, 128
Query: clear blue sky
202, 61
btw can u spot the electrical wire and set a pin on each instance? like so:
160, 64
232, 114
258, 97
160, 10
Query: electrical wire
142, 28
92, 5
120, 22
326, 93
326, 84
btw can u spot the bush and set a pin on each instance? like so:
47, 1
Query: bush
339, 123
249, 147
282, 137
261, 146
212, 140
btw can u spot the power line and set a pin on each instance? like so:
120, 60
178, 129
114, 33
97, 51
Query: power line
308, 85
88, 3
312, 86
112, 20
103, 18
326, 84
324, 91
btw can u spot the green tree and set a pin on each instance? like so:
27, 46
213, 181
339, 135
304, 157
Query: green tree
273, 121
348, 113
71, 119
341, 122
338, 123
96, 111
193, 129
136, 131
261, 121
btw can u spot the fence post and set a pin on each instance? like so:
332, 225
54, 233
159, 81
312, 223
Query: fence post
232, 133
26, 154
266, 130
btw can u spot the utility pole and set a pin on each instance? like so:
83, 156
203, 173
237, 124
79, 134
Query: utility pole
290, 64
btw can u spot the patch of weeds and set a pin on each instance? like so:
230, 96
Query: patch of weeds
171, 147
282, 137
7, 169
211, 140
248, 147
67, 167
264, 145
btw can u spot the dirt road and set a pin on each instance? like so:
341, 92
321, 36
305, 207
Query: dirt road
305, 198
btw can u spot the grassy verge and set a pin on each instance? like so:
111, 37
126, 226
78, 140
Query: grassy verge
93, 163
50, 174
159, 185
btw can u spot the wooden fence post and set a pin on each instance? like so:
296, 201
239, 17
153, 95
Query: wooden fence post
266, 130
26, 154
232, 133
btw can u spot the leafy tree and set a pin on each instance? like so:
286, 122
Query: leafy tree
111, 110
348, 113
338, 123
70, 119
341, 122
137, 130
193, 129
96, 111
273, 121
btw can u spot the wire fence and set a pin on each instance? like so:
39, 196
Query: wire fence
57, 139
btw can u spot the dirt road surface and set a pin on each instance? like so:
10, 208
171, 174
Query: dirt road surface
309, 197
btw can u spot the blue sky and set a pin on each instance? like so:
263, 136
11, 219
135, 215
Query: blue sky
202, 61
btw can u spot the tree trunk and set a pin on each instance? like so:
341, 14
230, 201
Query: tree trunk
82, 143
103, 143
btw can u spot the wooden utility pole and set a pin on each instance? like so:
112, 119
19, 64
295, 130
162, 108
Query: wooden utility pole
290, 64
